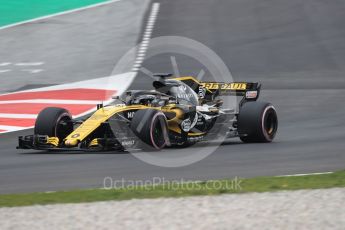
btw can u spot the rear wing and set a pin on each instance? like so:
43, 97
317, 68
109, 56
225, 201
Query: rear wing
249, 90
209, 90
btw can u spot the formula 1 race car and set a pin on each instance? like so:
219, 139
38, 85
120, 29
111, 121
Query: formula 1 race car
178, 113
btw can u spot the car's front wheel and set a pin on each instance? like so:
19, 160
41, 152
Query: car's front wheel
150, 126
54, 122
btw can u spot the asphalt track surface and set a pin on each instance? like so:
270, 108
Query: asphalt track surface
295, 48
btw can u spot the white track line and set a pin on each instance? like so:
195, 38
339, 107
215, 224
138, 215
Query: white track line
5, 63
10, 128
52, 101
146, 37
21, 116
33, 71
5, 70
29, 63
305, 174
59, 14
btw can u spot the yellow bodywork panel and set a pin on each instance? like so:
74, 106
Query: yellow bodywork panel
94, 142
93, 122
103, 114
173, 124
53, 141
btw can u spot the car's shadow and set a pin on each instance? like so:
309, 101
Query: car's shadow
73, 152
66, 152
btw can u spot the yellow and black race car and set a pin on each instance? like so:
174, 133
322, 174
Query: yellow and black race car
178, 112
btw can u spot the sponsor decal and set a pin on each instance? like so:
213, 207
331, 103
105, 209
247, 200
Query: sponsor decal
224, 86
128, 143
183, 87
130, 115
200, 121
202, 92
187, 124
234, 86
76, 135
210, 85
184, 95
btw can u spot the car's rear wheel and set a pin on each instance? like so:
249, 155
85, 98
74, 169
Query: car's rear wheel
54, 122
257, 122
150, 126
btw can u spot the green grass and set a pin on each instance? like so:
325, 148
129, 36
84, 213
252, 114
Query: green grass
13, 11
259, 184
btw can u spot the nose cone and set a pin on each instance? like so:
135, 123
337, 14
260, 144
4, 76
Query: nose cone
72, 142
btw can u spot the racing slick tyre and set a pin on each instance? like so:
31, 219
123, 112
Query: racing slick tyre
257, 122
54, 122
151, 127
